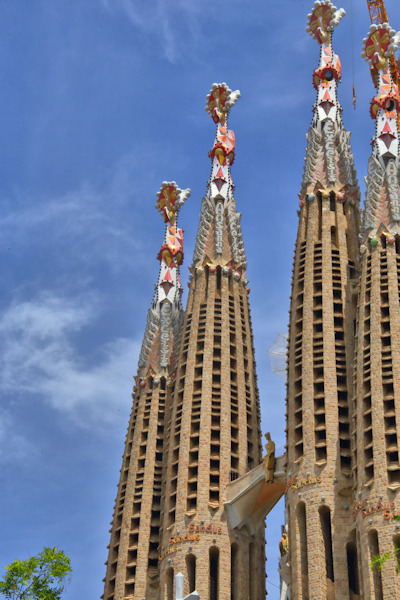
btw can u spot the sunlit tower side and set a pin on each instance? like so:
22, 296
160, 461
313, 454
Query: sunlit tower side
214, 431
320, 359
379, 16
377, 368
132, 566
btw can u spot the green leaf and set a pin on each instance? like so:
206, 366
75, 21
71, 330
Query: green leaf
41, 577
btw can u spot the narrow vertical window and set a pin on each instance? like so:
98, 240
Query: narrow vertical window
191, 571
333, 236
352, 565
252, 567
325, 519
218, 278
170, 584
373, 551
214, 567
319, 200
302, 528
234, 572
396, 544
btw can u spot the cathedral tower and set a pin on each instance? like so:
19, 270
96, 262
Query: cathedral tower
320, 359
377, 367
214, 427
132, 566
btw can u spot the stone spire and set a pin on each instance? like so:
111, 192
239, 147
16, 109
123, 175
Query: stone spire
165, 317
213, 427
219, 237
132, 565
382, 209
377, 360
320, 344
329, 163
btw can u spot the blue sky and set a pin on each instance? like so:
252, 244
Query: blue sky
101, 101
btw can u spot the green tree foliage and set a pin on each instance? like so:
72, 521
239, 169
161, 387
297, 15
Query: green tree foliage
41, 577
379, 560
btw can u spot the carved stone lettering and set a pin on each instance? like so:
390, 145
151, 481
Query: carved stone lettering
233, 231
165, 332
219, 227
393, 189
329, 137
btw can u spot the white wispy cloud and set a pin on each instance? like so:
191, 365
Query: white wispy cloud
174, 23
14, 448
40, 357
88, 224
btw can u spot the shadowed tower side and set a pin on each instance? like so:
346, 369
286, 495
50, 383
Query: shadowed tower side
214, 431
377, 368
132, 566
320, 359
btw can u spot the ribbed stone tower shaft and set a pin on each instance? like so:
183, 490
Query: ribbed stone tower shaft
133, 565
320, 360
214, 426
377, 367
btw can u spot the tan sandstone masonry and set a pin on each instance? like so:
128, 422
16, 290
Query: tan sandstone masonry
214, 437
377, 380
322, 551
320, 367
213, 427
132, 566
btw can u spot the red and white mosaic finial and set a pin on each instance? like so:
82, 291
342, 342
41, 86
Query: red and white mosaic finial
219, 101
323, 19
170, 198
329, 162
218, 218
164, 319
321, 22
382, 204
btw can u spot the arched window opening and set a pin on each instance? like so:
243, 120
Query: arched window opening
374, 551
319, 200
325, 519
218, 278
191, 571
396, 544
234, 572
214, 568
251, 570
302, 528
397, 244
352, 564
360, 573
170, 584
333, 236
383, 240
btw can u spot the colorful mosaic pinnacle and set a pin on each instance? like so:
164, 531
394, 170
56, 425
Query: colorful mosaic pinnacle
219, 237
321, 21
165, 316
170, 199
329, 159
382, 211
219, 102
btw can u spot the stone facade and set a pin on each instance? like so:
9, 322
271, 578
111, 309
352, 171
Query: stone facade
321, 346
195, 424
344, 363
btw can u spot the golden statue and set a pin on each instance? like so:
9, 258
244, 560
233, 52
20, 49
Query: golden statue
269, 459
284, 544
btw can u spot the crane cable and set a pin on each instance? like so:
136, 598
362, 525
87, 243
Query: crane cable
352, 53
